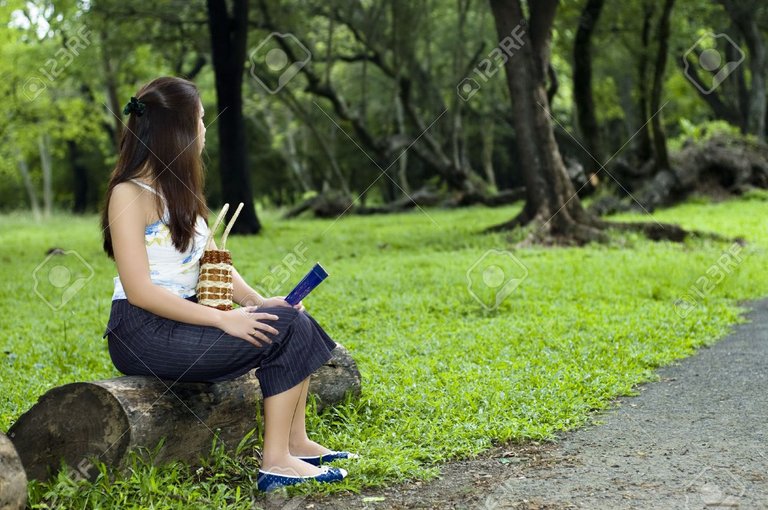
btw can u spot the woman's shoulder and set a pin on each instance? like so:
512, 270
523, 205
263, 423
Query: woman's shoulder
126, 193
130, 189
128, 196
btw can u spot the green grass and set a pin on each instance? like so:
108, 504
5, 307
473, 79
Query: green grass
443, 378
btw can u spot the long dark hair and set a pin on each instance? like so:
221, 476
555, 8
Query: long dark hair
164, 138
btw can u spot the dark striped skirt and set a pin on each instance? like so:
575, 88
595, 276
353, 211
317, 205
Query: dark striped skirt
142, 343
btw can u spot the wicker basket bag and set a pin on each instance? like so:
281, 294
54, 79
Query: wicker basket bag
214, 286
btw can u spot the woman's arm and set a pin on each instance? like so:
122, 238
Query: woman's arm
244, 294
128, 217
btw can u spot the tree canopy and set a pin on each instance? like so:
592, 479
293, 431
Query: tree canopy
372, 104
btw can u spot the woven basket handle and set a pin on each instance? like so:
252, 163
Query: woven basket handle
229, 226
216, 224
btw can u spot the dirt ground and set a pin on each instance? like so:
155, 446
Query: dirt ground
697, 439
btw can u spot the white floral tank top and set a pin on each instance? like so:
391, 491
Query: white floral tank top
169, 268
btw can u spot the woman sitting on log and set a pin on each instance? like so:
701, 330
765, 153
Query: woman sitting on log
155, 228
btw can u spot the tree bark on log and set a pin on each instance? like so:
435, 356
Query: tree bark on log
13, 480
105, 420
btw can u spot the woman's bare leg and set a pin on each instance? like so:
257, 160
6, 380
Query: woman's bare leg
299, 443
279, 411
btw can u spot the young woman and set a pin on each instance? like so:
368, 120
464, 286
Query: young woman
154, 226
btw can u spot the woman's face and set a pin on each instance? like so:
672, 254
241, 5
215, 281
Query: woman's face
201, 127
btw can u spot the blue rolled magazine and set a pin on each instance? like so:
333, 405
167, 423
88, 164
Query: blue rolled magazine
307, 284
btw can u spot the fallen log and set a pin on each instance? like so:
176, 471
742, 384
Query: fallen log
332, 204
718, 167
13, 480
105, 420
329, 204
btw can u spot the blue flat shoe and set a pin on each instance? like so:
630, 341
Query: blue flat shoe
270, 481
317, 460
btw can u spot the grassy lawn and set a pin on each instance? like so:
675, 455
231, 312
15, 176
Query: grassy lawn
443, 376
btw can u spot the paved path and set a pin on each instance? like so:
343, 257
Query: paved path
697, 439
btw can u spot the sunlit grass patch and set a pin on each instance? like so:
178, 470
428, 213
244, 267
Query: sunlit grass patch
443, 376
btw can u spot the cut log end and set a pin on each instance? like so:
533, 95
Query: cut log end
67, 424
13, 480
103, 421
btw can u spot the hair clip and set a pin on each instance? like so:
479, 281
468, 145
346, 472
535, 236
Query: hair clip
134, 106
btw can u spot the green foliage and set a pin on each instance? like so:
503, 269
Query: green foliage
442, 377
757, 194
701, 132
296, 142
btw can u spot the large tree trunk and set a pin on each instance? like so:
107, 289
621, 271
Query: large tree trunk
552, 204
659, 137
13, 480
582, 79
743, 16
228, 43
104, 420
44, 145
487, 136
28, 185
551, 201
644, 149
110, 80
79, 179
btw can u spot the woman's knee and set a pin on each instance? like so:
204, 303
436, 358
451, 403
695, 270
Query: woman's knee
283, 312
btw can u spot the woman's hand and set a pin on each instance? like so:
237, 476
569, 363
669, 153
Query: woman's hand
247, 323
280, 301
